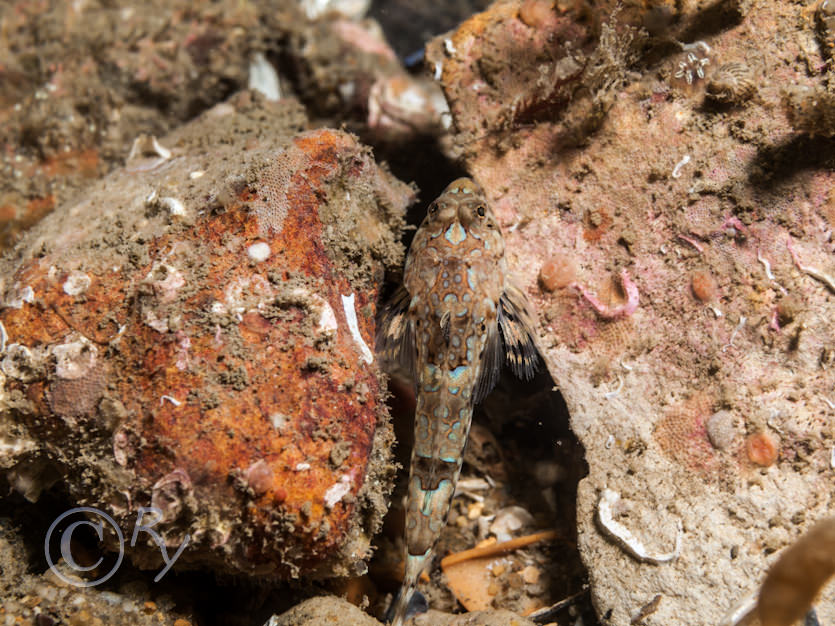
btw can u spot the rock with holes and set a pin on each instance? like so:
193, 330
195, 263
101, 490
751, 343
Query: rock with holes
195, 335
681, 270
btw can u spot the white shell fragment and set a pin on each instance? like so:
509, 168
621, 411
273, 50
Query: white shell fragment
3, 338
146, 153
353, 9
76, 283
353, 325
337, 491
174, 206
624, 537
147, 145
263, 77
509, 520
259, 251
677, 169
327, 320
18, 295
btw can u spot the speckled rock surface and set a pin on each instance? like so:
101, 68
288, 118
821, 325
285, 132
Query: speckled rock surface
321, 611
476, 618
676, 242
194, 335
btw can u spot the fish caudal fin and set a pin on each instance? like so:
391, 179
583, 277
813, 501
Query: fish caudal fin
415, 564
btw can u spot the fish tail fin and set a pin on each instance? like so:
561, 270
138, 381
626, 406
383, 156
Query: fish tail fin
415, 565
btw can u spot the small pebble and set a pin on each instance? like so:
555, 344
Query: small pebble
557, 272
259, 251
515, 580
531, 574
474, 510
721, 429
535, 13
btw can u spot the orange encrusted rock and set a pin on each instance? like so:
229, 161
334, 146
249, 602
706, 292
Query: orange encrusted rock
196, 335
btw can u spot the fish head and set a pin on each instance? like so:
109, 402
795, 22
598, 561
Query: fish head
462, 213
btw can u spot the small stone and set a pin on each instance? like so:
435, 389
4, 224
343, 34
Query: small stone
531, 574
474, 510
535, 13
557, 272
259, 251
721, 429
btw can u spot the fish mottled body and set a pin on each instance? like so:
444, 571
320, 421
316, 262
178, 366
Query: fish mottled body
451, 325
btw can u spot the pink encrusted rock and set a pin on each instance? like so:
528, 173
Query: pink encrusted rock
195, 337
611, 170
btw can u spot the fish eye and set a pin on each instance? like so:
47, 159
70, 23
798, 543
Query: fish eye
433, 208
480, 211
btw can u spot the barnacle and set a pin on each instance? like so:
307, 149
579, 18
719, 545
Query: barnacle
732, 83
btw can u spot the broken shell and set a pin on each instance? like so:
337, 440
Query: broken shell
263, 77
76, 283
509, 520
170, 493
624, 537
23, 364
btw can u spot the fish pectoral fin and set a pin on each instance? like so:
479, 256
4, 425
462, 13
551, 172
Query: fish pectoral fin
395, 340
517, 333
491, 365
445, 326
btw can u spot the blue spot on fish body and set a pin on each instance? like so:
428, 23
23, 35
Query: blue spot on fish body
471, 279
455, 374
